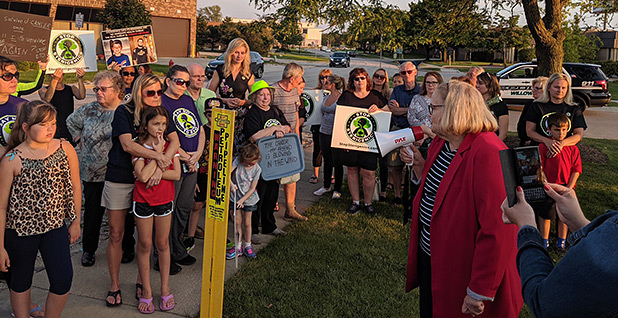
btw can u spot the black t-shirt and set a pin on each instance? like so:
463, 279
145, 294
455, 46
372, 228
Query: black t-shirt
539, 112
64, 103
499, 109
140, 55
119, 166
521, 124
258, 119
348, 98
229, 87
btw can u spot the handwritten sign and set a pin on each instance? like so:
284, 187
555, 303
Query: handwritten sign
23, 36
281, 157
313, 100
354, 127
70, 50
129, 46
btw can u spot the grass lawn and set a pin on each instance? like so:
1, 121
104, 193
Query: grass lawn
299, 57
613, 89
335, 265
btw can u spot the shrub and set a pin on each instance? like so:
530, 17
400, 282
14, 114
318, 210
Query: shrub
526, 55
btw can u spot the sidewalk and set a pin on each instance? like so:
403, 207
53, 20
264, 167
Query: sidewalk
90, 284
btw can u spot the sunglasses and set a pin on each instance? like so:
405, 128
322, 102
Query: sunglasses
409, 72
322, 77
152, 93
180, 81
9, 76
360, 78
432, 107
129, 74
378, 76
538, 88
103, 89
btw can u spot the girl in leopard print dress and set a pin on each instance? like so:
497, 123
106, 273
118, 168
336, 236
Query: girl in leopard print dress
39, 189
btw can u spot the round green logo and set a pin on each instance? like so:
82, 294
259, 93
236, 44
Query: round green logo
67, 49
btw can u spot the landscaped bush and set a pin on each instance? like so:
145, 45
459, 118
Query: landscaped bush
610, 68
526, 55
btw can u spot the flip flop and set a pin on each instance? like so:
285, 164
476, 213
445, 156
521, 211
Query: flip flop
139, 289
165, 300
114, 294
38, 308
150, 306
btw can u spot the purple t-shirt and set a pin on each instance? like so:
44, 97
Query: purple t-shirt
8, 113
185, 117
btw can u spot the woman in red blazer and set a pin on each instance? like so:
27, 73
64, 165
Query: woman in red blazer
465, 265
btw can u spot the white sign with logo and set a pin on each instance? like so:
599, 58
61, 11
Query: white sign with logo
70, 50
354, 127
313, 100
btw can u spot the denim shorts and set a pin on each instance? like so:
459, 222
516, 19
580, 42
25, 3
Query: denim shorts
246, 208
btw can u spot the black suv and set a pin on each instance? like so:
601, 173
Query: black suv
257, 64
339, 59
588, 83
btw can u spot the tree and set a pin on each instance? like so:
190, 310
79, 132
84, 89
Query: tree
579, 48
119, 14
211, 13
285, 26
258, 35
547, 33
228, 31
373, 26
506, 34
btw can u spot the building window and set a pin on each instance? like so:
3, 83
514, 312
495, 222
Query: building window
64, 13
34, 8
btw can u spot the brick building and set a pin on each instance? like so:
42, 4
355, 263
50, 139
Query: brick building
173, 21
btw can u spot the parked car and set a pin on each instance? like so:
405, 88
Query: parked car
339, 59
351, 54
588, 83
257, 64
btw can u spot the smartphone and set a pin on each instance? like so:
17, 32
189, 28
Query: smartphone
522, 167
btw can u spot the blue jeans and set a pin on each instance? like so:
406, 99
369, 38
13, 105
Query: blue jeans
584, 283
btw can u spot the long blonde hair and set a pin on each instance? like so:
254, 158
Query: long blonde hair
546, 98
464, 110
385, 91
140, 83
246, 63
30, 113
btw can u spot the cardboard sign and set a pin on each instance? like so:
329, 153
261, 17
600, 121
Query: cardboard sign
353, 128
281, 157
313, 100
129, 46
70, 50
23, 36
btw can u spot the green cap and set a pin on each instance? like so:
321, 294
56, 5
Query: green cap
259, 85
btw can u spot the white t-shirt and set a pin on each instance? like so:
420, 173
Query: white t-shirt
242, 178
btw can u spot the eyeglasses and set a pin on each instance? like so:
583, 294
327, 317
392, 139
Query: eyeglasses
9, 76
432, 107
180, 81
378, 76
409, 72
537, 88
103, 89
129, 74
198, 76
431, 83
152, 93
322, 77
360, 78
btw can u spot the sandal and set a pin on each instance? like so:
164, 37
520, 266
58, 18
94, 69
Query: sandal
39, 309
313, 179
165, 300
150, 306
139, 290
115, 295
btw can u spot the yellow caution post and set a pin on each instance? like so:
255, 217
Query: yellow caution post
217, 205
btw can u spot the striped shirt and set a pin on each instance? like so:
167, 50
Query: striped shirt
430, 190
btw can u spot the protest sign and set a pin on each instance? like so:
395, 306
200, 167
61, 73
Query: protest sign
281, 157
23, 36
217, 200
70, 50
354, 127
129, 46
313, 100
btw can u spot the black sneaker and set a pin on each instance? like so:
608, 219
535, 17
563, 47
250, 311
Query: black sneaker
127, 256
189, 243
174, 268
187, 260
88, 259
354, 208
370, 210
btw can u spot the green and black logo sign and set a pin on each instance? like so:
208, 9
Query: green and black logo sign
67, 49
308, 102
360, 127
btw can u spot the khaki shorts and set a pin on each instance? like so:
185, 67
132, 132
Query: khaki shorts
117, 196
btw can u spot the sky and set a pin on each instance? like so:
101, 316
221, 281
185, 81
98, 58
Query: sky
243, 10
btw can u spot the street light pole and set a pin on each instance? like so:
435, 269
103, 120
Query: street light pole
381, 49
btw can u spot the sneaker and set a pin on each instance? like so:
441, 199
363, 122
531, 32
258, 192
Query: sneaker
255, 239
249, 252
174, 268
313, 179
239, 252
370, 210
354, 208
277, 232
187, 260
320, 191
336, 195
189, 243
229, 245
230, 253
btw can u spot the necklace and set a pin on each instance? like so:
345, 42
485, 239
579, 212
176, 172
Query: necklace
33, 154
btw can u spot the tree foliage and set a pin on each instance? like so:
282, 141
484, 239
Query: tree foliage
119, 14
579, 48
285, 24
258, 35
381, 26
210, 13
505, 34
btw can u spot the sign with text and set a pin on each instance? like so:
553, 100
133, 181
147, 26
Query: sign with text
281, 157
23, 36
354, 127
70, 50
129, 46
313, 100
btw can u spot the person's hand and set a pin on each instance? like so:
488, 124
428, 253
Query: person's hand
5, 262
374, 108
240, 204
74, 232
393, 103
163, 161
556, 148
405, 155
233, 187
521, 213
58, 73
80, 73
279, 134
114, 67
159, 144
154, 179
567, 206
472, 306
43, 64
233, 102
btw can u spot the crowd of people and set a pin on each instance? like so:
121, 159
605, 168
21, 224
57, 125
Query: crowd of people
142, 159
